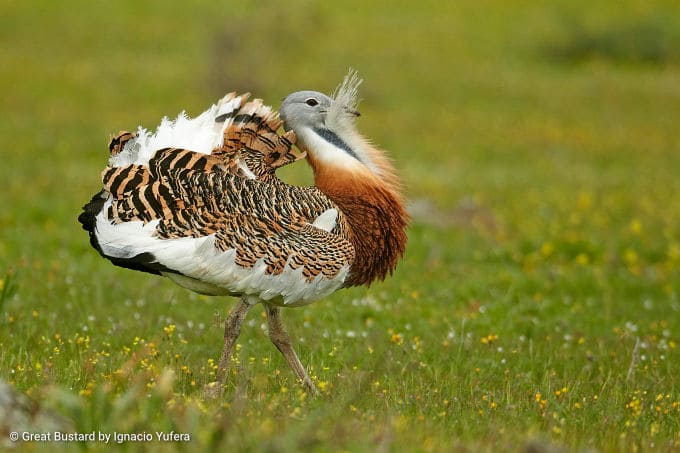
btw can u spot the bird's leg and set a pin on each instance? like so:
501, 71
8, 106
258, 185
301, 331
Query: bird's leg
232, 329
280, 338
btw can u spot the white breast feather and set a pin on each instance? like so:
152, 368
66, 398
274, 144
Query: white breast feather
326, 220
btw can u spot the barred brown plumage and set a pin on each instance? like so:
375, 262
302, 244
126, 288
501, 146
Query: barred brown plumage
198, 201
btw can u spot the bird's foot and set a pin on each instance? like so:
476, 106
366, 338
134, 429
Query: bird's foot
213, 390
310, 387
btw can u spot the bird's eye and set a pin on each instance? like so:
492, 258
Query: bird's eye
312, 102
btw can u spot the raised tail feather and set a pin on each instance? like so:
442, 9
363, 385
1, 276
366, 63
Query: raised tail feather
139, 187
252, 145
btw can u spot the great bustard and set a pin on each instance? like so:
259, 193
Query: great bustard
198, 201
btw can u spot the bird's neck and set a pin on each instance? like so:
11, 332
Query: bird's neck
375, 213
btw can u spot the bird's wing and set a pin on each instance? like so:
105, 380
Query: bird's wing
222, 222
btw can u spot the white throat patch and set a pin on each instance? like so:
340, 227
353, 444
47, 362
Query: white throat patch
325, 151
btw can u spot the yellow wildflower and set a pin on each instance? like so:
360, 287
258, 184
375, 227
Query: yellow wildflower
489, 339
169, 329
547, 249
397, 339
582, 259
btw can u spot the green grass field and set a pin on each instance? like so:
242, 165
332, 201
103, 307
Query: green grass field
540, 148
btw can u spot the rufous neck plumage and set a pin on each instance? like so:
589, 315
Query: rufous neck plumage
375, 213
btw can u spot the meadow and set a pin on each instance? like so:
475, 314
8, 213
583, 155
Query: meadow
537, 306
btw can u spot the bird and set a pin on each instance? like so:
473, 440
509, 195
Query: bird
198, 201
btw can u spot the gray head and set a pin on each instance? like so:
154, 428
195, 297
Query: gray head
311, 109
325, 130
325, 122
305, 109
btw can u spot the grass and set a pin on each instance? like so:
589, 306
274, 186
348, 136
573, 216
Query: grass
536, 307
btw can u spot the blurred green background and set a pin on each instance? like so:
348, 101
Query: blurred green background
539, 147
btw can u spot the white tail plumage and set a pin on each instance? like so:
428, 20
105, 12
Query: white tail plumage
201, 134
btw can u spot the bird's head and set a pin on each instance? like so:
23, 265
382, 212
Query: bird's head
307, 109
325, 128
